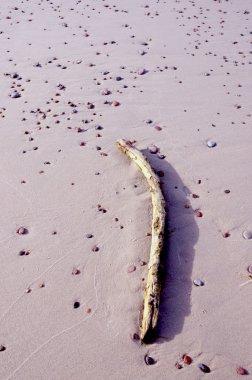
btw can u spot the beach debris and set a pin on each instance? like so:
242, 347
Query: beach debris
211, 144
150, 312
22, 231
247, 234
131, 268
204, 368
241, 371
2, 348
198, 282
153, 149
149, 360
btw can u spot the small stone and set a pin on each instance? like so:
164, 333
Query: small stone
198, 282
118, 78
98, 127
149, 360
141, 71
95, 248
148, 121
226, 235
198, 213
15, 95
161, 156
22, 231
42, 285
249, 269
227, 191
160, 173
89, 236
141, 52
75, 271
211, 144
204, 368
28, 290
2, 348
76, 305
178, 365
105, 92
187, 359
88, 311
241, 371
158, 128
153, 149
131, 268
135, 336
115, 104
247, 235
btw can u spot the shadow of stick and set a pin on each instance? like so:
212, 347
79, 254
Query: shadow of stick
181, 234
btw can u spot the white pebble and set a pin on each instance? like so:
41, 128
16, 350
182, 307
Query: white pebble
247, 235
211, 144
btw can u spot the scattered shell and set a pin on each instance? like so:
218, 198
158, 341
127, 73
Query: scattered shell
198, 282
204, 368
247, 235
249, 269
22, 231
211, 144
2, 348
241, 371
153, 149
131, 268
149, 360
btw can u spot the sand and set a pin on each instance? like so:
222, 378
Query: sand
70, 302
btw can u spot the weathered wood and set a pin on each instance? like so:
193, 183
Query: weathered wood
150, 312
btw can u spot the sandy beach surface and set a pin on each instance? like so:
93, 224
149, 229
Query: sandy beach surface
76, 214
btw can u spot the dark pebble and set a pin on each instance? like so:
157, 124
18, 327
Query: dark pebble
76, 305
149, 360
204, 368
2, 348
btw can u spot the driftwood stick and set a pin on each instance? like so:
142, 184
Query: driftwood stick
149, 320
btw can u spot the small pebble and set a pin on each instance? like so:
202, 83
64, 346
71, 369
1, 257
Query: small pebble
131, 268
249, 269
204, 368
141, 71
15, 95
198, 282
247, 235
161, 156
187, 359
153, 149
95, 248
178, 365
149, 360
135, 336
148, 121
105, 92
241, 371
76, 305
2, 348
211, 144
198, 213
22, 231
89, 236
88, 311
115, 104
75, 271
